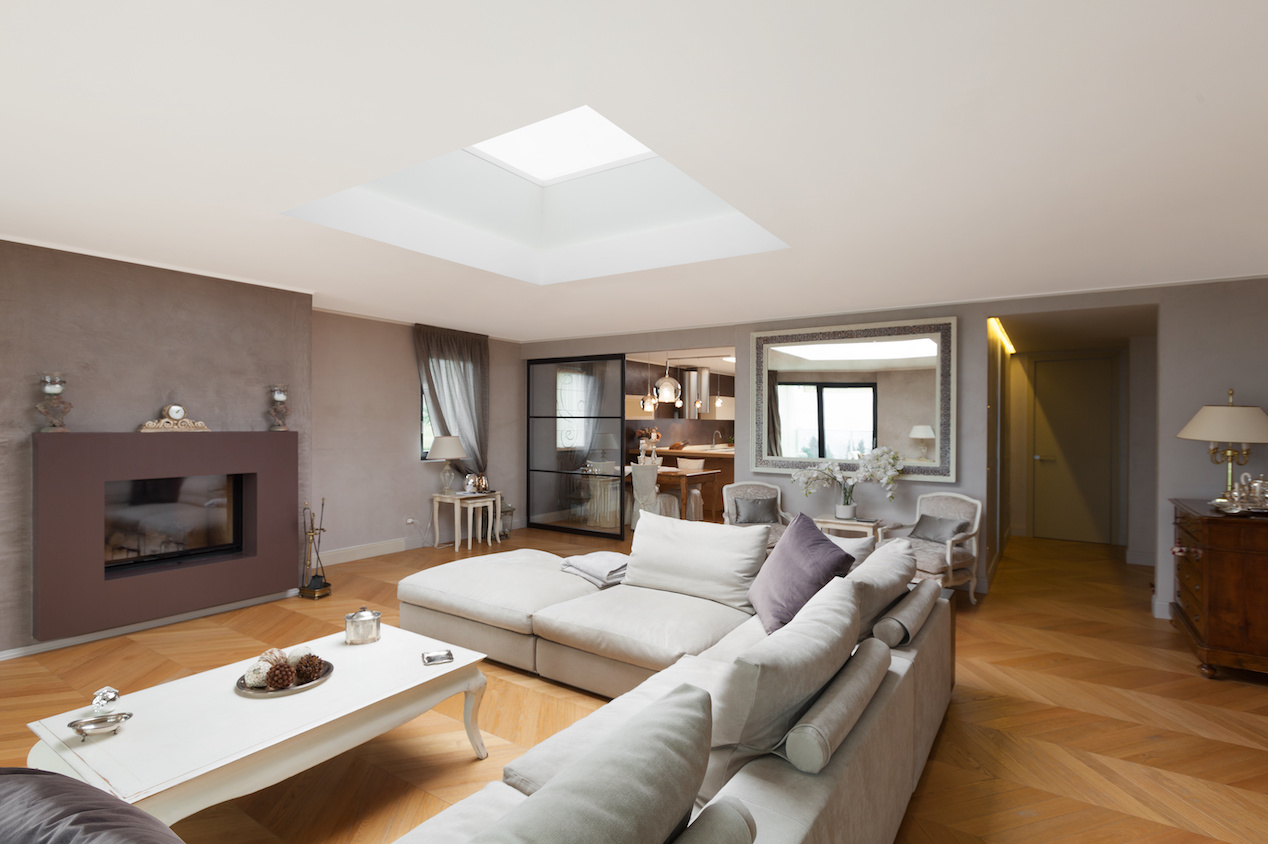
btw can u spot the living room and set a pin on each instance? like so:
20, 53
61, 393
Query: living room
135, 318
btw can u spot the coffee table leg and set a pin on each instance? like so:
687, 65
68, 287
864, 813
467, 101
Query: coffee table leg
471, 714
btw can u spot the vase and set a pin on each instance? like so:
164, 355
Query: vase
847, 511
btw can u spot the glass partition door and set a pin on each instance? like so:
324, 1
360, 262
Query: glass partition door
576, 425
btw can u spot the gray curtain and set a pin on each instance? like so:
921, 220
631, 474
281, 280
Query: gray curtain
453, 370
773, 432
591, 406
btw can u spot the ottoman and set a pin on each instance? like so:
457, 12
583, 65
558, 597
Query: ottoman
487, 603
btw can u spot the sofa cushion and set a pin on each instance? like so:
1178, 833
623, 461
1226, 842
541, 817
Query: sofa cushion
737, 641
730, 706
810, 744
637, 785
503, 590
614, 624
882, 578
903, 621
937, 529
724, 821
707, 560
931, 557
756, 511
858, 547
801, 563
48, 808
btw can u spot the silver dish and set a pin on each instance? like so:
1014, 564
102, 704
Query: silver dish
250, 691
101, 724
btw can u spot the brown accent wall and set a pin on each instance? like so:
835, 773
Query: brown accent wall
72, 593
130, 339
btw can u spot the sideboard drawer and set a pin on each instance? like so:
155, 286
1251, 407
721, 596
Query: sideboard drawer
1189, 573
1192, 609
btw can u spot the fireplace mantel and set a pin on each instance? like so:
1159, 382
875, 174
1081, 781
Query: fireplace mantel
72, 592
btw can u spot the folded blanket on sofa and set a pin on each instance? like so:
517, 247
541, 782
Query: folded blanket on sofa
602, 568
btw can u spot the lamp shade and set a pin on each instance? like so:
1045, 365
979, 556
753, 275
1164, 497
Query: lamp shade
921, 432
605, 439
447, 448
1222, 423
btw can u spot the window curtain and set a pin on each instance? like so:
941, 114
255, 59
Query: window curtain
584, 403
453, 370
774, 435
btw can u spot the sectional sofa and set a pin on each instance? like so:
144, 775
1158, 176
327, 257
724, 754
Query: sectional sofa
823, 686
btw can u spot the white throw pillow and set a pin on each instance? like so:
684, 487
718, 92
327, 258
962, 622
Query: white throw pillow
858, 547
706, 560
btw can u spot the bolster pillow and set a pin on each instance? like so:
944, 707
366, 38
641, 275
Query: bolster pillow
724, 821
810, 744
903, 621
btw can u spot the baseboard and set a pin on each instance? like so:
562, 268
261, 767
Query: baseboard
361, 552
54, 644
1161, 607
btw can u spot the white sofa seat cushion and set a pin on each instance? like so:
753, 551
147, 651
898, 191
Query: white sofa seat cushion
614, 624
711, 561
465, 819
503, 590
636, 786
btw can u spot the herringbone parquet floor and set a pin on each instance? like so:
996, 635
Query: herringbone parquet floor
1076, 716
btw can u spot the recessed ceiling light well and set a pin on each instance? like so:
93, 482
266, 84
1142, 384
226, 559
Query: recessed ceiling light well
569, 145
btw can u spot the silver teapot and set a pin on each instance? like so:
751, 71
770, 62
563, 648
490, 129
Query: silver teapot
361, 627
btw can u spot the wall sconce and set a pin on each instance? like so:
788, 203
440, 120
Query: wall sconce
1228, 424
54, 408
279, 411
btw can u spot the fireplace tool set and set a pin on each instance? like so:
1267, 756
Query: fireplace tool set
315, 584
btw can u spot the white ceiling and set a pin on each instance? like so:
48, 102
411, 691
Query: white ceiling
908, 153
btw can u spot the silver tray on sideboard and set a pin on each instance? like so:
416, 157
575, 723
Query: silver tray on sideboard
250, 691
1236, 508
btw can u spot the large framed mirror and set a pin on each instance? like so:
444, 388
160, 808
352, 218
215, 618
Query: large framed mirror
836, 393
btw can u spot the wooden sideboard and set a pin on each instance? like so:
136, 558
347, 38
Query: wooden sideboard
1221, 600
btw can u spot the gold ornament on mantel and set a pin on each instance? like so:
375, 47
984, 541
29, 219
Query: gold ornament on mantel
173, 420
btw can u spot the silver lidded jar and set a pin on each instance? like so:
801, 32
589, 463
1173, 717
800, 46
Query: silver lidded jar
361, 627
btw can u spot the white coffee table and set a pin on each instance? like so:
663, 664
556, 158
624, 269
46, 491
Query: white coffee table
196, 742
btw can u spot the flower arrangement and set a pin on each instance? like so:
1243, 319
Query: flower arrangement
826, 474
649, 433
880, 466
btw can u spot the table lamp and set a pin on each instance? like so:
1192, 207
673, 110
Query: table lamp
447, 449
604, 442
1228, 424
924, 433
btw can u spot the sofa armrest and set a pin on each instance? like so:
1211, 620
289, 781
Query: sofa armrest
901, 622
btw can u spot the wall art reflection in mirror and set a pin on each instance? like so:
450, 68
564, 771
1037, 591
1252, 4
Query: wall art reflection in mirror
837, 393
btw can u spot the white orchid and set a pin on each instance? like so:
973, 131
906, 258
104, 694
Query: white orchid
826, 474
880, 466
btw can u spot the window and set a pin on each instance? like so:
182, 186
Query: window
829, 421
572, 397
428, 434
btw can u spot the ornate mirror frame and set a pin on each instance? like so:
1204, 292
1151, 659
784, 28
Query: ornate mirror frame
944, 329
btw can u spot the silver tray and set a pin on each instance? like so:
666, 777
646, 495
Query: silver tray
250, 691
1234, 509
101, 724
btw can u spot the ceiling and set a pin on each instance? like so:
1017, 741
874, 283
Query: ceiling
1066, 331
908, 153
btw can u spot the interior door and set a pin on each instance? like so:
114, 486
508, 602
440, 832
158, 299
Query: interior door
1073, 494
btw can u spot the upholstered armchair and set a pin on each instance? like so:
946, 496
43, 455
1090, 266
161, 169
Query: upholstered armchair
754, 502
944, 539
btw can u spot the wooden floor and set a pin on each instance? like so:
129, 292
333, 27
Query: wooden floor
1076, 715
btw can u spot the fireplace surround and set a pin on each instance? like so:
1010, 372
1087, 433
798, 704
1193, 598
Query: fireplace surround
73, 591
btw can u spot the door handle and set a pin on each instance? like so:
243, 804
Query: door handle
1043, 459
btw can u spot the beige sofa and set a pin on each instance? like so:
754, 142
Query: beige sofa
809, 738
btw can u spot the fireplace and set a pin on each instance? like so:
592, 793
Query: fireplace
191, 521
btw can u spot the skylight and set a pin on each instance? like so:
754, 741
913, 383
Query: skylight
879, 350
566, 146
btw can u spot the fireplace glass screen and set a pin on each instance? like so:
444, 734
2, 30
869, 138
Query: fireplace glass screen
160, 519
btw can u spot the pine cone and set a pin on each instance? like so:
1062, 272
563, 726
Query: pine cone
280, 676
308, 668
274, 656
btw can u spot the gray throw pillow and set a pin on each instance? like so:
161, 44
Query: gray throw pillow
756, 511
55, 809
801, 563
935, 529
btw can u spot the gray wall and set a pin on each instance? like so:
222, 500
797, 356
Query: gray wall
366, 449
130, 339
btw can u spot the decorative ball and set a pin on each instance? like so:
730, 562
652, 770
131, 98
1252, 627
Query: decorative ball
255, 676
295, 654
280, 676
274, 656
308, 668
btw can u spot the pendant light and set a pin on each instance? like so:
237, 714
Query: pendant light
648, 402
668, 389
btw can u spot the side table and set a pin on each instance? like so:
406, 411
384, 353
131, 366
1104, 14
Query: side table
457, 499
874, 528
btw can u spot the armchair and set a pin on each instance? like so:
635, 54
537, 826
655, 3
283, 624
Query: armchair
750, 491
943, 552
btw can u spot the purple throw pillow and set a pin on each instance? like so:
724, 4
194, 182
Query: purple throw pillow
801, 563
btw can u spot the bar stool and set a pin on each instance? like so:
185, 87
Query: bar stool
485, 504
